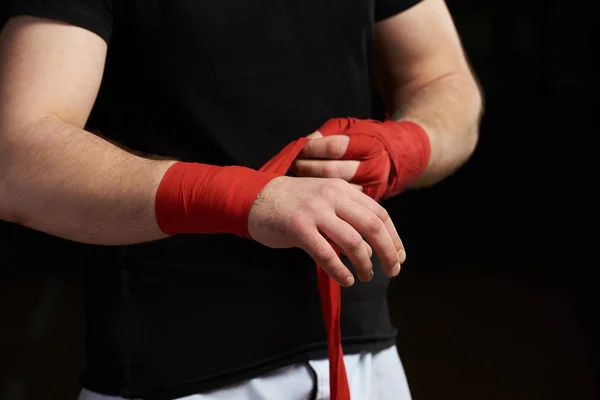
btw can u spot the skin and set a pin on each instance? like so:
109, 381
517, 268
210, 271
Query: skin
58, 178
424, 75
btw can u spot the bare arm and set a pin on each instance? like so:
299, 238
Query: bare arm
57, 178
54, 176
424, 77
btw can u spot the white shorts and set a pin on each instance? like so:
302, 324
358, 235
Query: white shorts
372, 376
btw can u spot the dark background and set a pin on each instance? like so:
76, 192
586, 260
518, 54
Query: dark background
497, 299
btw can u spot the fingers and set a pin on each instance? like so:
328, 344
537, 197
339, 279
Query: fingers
339, 214
358, 187
329, 147
325, 256
381, 212
345, 169
349, 241
374, 227
369, 251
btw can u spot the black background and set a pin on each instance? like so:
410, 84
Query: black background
497, 298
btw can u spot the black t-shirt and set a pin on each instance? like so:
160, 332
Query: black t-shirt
221, 82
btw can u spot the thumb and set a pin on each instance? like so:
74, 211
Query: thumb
315, 135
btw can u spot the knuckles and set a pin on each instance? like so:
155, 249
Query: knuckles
336, 147
374, 224
353, 243
382, 214
330, 170
332, 188
327, 257
299, 224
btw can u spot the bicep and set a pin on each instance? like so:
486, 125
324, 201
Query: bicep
418, 44
48, 69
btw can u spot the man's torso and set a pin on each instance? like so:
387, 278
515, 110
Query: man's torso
222, 82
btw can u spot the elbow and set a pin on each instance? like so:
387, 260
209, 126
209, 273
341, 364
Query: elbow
8, 215
5, 213
9, 210
479, 109
470, 138
469, 145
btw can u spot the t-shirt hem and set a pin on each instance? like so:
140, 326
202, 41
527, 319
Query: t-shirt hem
317, 351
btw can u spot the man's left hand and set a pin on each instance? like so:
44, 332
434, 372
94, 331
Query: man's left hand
350, 149
321, 158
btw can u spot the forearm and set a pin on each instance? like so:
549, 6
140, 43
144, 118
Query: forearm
449, 110
76, 185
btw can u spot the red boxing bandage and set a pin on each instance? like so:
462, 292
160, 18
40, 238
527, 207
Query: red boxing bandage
392, 154
329, 291
200, 198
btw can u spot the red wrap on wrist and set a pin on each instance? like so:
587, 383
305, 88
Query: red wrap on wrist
200, 198
392, 154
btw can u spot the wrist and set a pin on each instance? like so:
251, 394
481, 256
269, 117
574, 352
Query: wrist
201, 198
409, 150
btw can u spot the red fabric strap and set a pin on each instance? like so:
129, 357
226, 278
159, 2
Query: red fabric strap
392, 154
200, 198
329, 290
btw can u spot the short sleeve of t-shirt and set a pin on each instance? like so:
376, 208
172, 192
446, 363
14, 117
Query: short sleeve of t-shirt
387, 8
93, 15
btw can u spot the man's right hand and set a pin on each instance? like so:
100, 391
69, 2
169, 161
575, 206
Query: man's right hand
309, 213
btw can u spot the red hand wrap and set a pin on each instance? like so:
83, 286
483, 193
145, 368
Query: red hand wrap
329, 290
200, 198
392, 154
